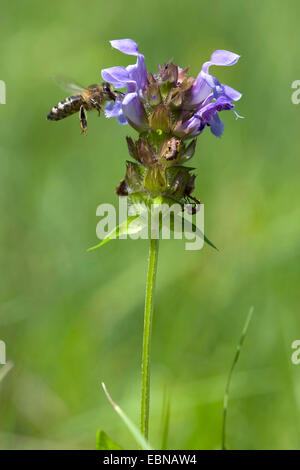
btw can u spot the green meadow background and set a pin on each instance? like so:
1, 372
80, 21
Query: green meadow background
71, 319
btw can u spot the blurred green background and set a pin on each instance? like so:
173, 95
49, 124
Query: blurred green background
71, 319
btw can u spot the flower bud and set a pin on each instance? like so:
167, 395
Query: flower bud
177, 94
134, 176
132, 148
170, 151
160, 118
152, 92
179, 181
145, 152
155, 180
182, 74
141, 151
167, 77
168, 73
188, 152
122, 188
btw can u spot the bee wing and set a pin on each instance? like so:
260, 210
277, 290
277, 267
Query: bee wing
69, 85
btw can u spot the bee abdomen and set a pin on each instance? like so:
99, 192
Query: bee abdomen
65, 108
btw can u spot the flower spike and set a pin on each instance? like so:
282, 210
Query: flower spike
166, 109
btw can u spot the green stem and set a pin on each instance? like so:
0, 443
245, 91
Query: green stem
150, 288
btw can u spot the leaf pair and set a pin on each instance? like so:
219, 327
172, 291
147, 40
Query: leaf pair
138, 223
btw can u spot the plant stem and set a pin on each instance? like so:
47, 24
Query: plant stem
150, 288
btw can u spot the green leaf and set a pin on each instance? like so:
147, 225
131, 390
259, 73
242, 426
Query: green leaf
128, 423
210, 243
137, 222
104, 442
191, 228
125, 228
204, 237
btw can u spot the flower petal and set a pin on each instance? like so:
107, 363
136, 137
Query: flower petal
190, 128
134, 112
199, 92
205, 81
201, 126
221, 57
207, 112
122, 119
138, 72
127, 46
118, 76
231, 93
216, 125
114, 109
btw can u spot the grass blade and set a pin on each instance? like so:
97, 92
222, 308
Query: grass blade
165, 421
128, 423
235, 360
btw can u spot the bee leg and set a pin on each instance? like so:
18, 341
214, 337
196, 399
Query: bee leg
83, 120
96, 105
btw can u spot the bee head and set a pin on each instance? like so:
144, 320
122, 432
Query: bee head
109, 91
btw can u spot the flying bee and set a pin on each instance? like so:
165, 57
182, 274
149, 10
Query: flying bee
82, 100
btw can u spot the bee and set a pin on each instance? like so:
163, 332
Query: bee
82, 100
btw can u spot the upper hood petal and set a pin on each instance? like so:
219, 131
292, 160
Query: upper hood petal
127, 46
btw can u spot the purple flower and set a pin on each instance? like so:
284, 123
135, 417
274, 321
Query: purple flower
202, 98
206, 83
205, 115
206, 88
191, 127
134, 78
208, 113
